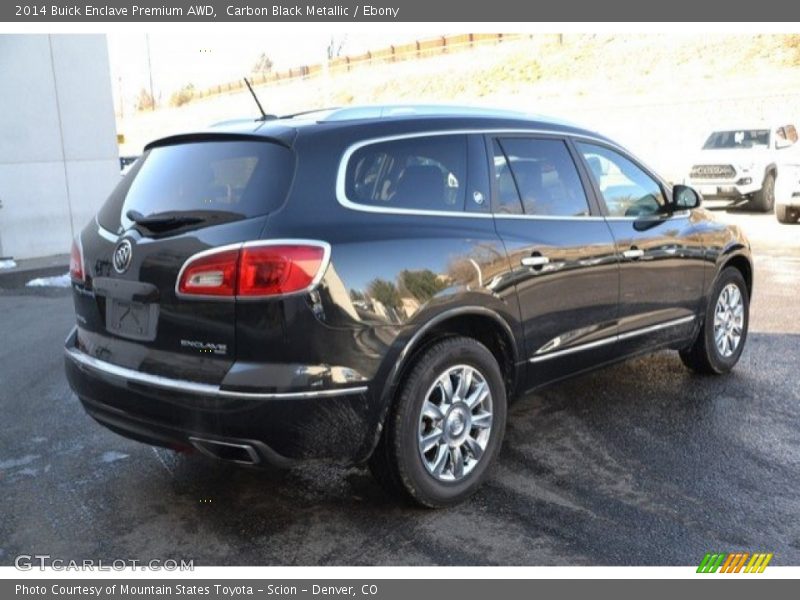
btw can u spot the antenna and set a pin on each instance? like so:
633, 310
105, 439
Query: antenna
264, 115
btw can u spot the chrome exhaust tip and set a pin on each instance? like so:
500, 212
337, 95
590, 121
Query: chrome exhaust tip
243, 454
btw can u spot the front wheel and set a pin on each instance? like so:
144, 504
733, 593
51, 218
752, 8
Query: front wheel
764, 199
721, 338
446, 426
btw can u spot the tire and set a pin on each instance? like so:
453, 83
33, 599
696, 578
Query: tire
705, 355
764, 199
399, 463
785, 214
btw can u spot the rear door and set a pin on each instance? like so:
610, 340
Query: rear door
661, 251
179, 199
561, 253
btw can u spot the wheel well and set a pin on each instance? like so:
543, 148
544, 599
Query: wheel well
482, 328
744, 267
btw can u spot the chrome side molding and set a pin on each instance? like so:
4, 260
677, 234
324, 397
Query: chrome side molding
612, 339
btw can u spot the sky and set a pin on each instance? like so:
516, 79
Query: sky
206, 60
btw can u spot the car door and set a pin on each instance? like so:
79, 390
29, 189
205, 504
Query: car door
562, 258
660, 249
787, 157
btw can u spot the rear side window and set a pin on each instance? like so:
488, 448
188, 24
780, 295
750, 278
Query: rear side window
545, 177
211, 180
421, 173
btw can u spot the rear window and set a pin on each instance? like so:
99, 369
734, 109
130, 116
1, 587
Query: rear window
421, 173
213, 180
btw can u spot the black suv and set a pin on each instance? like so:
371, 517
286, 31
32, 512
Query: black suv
375, 283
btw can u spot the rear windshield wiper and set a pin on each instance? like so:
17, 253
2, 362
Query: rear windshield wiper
162, 222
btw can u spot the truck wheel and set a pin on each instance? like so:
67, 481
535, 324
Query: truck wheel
764, 199
786, 214
445, 428
721, 338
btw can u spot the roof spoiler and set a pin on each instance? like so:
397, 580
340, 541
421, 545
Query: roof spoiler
211, 136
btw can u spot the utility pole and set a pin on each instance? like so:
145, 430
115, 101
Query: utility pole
150, 72
119, 93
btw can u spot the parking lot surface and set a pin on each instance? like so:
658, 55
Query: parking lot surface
642, 463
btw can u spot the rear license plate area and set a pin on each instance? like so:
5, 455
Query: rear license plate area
132, 320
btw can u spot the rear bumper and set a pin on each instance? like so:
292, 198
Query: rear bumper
280, 427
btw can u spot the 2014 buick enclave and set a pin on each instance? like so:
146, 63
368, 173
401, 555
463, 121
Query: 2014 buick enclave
375, 283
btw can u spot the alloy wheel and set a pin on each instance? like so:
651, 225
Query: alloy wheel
729, 320
455, 423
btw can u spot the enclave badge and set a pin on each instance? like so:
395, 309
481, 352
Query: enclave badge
123, 254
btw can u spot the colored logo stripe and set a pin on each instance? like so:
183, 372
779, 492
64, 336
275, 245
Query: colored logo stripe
734, 562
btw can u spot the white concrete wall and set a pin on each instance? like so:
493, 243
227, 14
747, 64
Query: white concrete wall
58, 149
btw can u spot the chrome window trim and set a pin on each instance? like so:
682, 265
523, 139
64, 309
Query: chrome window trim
613, 339
326, 260
191, 387
344, 201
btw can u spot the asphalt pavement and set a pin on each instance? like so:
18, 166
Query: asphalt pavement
642, 463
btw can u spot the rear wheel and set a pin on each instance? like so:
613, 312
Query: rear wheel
446, 426
764, 199
787, 214
721, 339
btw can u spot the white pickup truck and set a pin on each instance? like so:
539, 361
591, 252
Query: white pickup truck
758, 165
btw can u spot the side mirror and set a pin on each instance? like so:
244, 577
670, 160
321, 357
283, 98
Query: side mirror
781, 143
685, 197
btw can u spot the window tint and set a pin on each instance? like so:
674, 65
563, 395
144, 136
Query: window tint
424, 173
546, 178
507, 196
627, 190
211, 179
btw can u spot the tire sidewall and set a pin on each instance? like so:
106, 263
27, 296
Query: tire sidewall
722, 364
426, 488
765, 199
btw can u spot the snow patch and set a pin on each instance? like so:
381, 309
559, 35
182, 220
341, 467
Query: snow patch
62, 281
7, 263
109, 457
18, 462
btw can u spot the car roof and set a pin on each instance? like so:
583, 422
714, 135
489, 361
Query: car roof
401, 118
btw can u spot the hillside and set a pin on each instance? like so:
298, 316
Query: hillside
658, 94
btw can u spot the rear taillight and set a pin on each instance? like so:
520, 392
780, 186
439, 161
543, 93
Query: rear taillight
275, 270
254, 270
210, 274
76, 272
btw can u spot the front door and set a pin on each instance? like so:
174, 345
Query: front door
661, 250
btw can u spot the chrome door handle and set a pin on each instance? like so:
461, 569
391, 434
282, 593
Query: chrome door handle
535, 261
633, 253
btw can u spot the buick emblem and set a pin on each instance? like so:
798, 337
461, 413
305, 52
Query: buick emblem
123, 254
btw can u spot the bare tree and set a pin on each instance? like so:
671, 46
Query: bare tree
263, 65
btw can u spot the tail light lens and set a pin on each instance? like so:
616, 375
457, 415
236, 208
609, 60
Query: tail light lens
273, 270
210, 274
76, 272
254, 271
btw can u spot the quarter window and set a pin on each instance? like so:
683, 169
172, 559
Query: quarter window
421, 173
627, 190
544, 177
